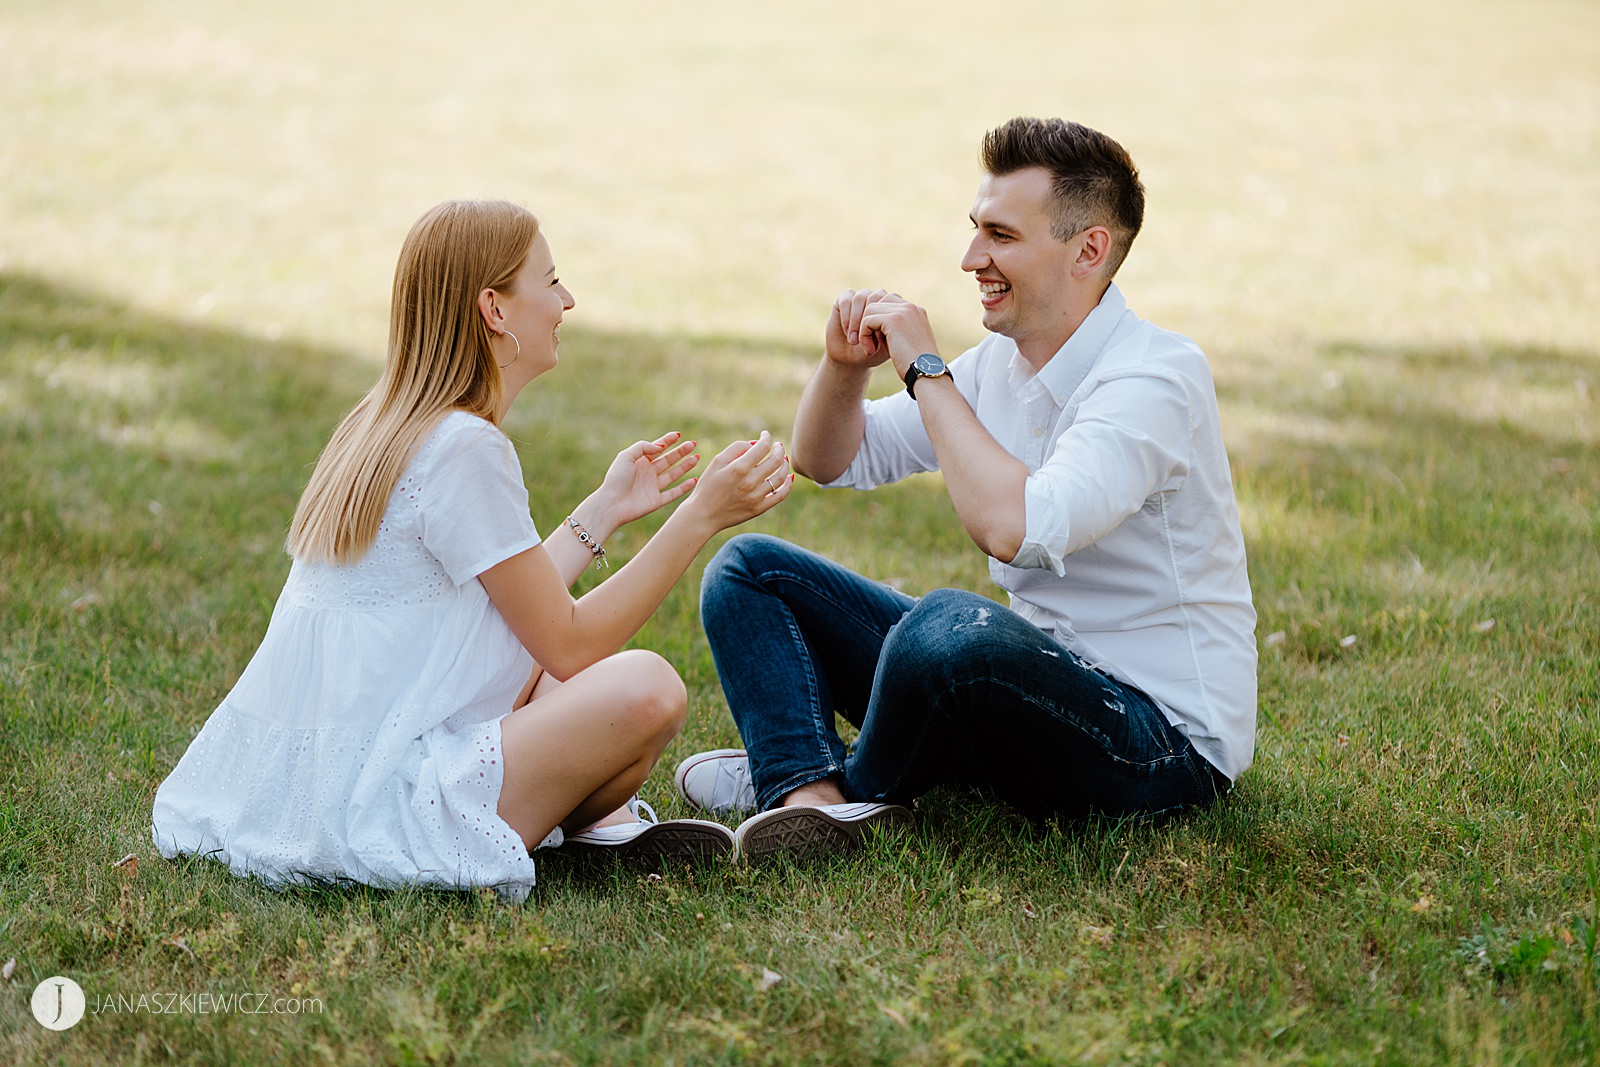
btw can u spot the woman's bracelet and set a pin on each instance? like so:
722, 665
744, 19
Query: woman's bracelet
589, 542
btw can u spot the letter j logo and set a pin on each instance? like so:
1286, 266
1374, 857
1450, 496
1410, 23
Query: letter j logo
58, 1003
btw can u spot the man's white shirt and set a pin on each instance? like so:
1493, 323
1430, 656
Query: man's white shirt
1132, 558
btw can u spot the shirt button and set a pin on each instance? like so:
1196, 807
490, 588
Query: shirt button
1038, 431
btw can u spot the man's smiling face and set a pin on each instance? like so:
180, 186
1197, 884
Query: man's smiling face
1024, 272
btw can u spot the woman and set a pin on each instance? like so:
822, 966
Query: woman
430, 703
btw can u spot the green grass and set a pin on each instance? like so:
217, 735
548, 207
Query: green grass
1378, 220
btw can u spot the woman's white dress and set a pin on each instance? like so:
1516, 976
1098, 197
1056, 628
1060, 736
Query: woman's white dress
362, 742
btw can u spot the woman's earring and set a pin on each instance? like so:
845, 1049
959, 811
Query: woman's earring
516, 342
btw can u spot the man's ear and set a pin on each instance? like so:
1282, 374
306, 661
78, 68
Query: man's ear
490, 310
1094, 248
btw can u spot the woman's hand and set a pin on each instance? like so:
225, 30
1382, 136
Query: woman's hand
644, 477
742, 481
567, 636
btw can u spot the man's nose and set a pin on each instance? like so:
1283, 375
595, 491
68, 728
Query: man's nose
976, 257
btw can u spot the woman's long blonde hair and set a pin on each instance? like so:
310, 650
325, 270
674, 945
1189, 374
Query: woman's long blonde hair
440, 359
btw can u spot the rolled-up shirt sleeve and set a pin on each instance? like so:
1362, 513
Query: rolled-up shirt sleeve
1127, 442
895, 444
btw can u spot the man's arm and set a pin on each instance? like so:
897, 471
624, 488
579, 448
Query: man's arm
987, 484
828, 425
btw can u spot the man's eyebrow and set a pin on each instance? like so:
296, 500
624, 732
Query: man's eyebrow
991, 224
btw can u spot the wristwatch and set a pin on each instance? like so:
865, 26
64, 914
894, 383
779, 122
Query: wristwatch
926, 365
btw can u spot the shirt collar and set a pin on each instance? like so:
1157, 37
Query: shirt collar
1072, 362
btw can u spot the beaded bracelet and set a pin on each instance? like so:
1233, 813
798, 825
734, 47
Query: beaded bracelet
589, 542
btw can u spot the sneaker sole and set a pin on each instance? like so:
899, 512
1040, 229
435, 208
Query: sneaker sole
676, 839
803, 833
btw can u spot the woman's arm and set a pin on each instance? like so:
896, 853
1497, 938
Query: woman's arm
567, 635
643, 477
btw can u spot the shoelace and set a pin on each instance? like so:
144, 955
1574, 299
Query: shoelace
738, 771
641, 808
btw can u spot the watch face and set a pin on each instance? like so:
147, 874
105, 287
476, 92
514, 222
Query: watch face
926, 365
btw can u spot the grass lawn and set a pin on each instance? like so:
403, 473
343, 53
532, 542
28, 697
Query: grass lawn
1381, 221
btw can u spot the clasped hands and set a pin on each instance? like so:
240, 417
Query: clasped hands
870, 326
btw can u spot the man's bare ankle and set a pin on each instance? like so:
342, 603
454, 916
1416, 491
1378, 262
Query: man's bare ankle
815, 795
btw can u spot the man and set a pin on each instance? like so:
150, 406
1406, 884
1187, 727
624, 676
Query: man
1080, 446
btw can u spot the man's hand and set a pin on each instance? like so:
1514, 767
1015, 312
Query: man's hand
902, 327
846, 343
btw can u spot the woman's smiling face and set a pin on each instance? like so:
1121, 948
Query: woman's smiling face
532, 311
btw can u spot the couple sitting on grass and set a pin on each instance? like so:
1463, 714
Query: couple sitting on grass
430, 703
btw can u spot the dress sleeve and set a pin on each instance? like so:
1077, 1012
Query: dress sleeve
474, 503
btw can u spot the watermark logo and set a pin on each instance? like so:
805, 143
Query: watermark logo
58, 1003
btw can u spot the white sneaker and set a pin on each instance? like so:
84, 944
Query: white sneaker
616, 833
806, 831
717, 781
675, 839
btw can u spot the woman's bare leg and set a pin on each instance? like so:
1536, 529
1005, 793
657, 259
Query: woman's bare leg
578, 750
542, 683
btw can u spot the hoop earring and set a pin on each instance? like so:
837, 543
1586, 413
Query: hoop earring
516, 342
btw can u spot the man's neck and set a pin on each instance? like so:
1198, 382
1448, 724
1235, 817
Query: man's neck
1038, 350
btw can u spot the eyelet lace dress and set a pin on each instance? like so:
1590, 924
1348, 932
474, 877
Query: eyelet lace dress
362, 742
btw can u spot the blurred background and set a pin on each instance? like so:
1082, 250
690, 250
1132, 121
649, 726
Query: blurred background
1387, 173
1381, 220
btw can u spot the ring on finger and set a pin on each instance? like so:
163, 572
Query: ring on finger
770, 485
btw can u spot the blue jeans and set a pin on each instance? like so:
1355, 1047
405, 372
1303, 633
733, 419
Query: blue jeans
949, 688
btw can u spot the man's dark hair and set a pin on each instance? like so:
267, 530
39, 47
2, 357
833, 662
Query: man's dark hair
1094, 181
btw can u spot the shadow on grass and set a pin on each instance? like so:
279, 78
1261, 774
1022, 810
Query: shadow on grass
1424, 782
148, 468
1384, 459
